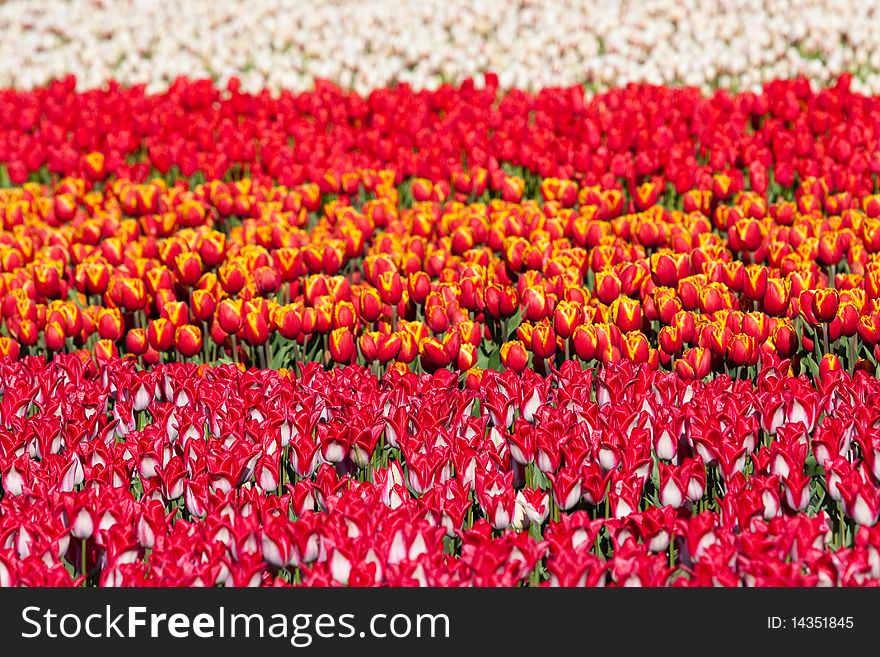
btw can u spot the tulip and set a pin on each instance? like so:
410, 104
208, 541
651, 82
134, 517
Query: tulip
229, 316
256, 328
110, 324
188, 268
824, 304
514, 356
776, 298
568, 316
136, 341
188, 340
54, 336
543, 340
203, 305
370, 305
342, 345
160, 334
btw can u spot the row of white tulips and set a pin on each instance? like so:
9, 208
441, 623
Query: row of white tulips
363, 44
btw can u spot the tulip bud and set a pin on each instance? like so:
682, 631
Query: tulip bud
105, 350
370, 305
694, 364
256, 328
514, 356
567, 317
341, 345
203, 305
776, 298
825, 303
54, 336
670, 340
232, 277
627, 314
433, 354
188, 340
390, 287
742, 350
607, 286
212, 248
188, 268
128, 293
229, 315
829, 363
136, 341
160, 334
287, 321
418, 285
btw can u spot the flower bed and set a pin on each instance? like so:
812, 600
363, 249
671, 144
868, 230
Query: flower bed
448, 338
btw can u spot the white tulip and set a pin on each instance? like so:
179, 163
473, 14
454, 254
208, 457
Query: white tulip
278, 44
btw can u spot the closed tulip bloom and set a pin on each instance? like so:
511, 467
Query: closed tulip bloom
160, 334
543, 340
229, 315
232, 276
433, 354
409, 347
755, 282
585, 342
92, 277
668, 268
390, 287
342, 345
212, 248
110, 324
203, 304
635, 347
128, 293
627, 314
105, 350
514, 356
670, 340
9, 348
776, 297
188, 340
267, 280
829, 363
418, 285
535, 304
742, 350
666, 303
370, 305
825, 303
436, 318
188, 268
567, 316
286, 320
694, 364
256, 328
136, 341
607, 286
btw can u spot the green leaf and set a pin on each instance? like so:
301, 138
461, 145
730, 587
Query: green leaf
513, 323
495, 360
811, 366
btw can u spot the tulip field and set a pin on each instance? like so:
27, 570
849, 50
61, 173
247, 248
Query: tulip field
466, 333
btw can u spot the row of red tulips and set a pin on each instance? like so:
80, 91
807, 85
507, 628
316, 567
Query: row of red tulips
187, 475
627, 135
